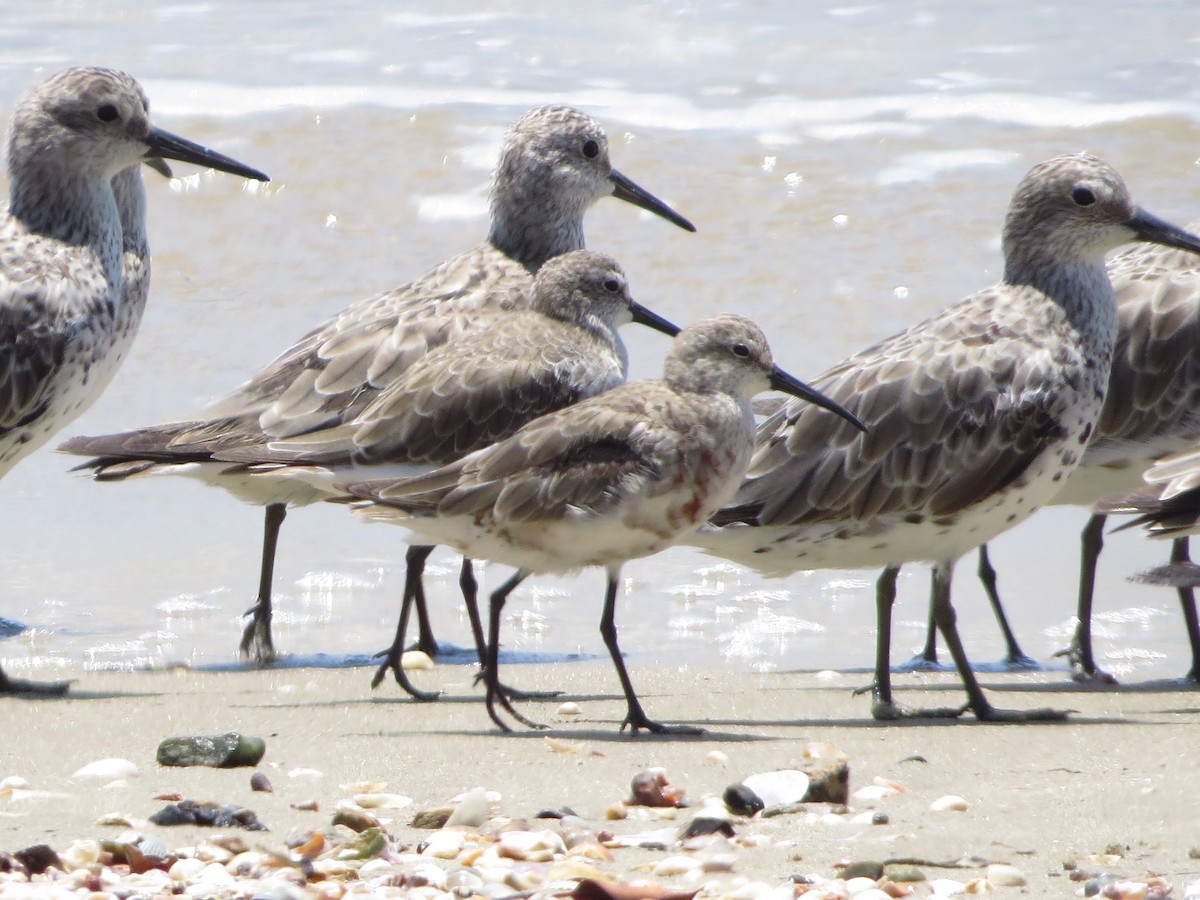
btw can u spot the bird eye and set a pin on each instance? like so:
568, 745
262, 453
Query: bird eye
741, 350
591, 149
1083, 197
107, 113
612, 285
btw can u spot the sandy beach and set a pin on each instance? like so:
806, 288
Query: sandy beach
1110, 791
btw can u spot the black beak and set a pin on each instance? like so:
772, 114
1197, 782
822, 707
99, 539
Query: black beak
651, 319
789, 384
1156, 231
624, 189
164, 145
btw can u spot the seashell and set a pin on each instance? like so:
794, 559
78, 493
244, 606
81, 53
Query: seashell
382, 801
472, 809
306, 806
301, 772
948, 803
778, 788
871, 893
377, 868
463, 882
13, 781
945, 887
555, 745
675, 865
187, 869
650, 787
442, 844
652, 840
106, 770
260, 782
570, 709
531, 846
117, 820
426, 874
615, 812
978, 886
416, 661
80, 854
716, 758
19, 795
1004, 875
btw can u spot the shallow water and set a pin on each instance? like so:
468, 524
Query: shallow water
848, 169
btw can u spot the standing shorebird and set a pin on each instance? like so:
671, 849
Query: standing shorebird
553, 166
975, 416
561, 346
74, 265
1152, 409
616, 477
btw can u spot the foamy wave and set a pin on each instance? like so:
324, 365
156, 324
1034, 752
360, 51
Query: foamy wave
765, 117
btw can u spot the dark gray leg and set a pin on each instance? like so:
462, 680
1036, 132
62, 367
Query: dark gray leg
1083, 661
635, 717
976, 699
1187, 601
393, 656
491, 671
256, 639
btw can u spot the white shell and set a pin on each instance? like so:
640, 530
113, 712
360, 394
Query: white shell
778, 788
106, 770
949, 803
1004, 875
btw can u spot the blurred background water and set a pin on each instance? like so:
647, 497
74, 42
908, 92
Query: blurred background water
848, 167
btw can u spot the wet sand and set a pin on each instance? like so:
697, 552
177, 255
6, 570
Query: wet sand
1117, 778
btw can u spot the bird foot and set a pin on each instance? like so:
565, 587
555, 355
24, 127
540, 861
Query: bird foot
18, 686
990, 713
1019, 662
256, 643
887, 711
920, 663
392, 663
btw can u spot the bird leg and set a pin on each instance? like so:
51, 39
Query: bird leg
256, 639
1187, 601
491, 670
414, 592
635, 717
470, 592
977, 701
1083, 662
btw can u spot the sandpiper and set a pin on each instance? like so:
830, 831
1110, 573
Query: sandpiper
976, 417
559, 347
1152, 410
553, 166
616, 477
74, 270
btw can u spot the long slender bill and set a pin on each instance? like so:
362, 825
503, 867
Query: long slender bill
624, 189
651, 319
164, 145
1153, 229
789, 384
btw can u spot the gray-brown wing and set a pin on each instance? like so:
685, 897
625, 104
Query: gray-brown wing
331, 373
586, 457
461, 397
1155, 384
31, 352
957, 407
